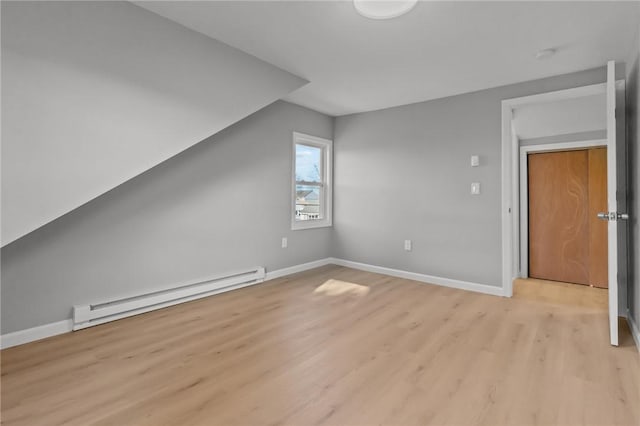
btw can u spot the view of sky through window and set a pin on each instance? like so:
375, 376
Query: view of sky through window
308, 163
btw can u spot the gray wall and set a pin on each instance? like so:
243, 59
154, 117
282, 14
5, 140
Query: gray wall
633, 143
221, 205
404, 173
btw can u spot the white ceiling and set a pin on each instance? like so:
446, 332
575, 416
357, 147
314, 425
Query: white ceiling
438, 49
583, 114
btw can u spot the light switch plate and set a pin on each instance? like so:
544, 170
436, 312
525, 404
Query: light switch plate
475, 161
475, 188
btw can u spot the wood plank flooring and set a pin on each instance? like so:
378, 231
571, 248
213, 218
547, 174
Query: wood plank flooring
363, 349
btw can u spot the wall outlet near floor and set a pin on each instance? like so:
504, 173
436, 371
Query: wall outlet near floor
475, 188
407, 245
285, 242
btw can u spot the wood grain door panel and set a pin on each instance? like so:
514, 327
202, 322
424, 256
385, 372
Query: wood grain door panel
558, 223
566, 240
598, 229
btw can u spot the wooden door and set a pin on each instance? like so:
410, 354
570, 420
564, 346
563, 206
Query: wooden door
598, 270
566, 241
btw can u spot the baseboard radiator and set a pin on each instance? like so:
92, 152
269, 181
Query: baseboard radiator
99, 313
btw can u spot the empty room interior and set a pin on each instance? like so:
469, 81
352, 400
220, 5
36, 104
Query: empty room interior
355, 212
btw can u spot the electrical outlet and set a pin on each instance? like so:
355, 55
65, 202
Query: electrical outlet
285, 242
407, 245
475, 161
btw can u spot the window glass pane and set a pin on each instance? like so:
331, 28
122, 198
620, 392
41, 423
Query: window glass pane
307, 202
308, 163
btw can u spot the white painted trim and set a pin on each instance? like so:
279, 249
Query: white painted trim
635, 331
524, 189
515, 208
35, 333
507, 251
429, 279
271, 275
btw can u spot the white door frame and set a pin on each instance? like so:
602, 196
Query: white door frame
524, 188
511, 176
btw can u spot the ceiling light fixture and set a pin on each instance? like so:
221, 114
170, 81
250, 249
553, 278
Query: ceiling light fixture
383, 9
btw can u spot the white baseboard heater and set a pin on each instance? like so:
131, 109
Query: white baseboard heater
89, 315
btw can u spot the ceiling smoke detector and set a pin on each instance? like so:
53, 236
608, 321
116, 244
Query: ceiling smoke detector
383, 9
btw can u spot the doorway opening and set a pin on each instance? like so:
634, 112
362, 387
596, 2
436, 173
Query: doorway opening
561, 117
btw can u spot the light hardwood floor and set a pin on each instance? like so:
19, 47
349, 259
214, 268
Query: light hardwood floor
363, 349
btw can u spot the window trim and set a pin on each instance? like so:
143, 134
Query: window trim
326, 202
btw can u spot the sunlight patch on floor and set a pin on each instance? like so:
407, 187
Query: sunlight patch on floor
336, 288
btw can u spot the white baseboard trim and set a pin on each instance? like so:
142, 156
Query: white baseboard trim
35, 333
429, 279
271, 275
635, 331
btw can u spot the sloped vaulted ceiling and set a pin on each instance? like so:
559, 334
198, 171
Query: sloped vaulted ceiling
95, 93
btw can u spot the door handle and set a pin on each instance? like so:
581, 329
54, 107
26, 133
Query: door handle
613, 216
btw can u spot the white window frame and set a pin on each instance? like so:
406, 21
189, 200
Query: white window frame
326, 193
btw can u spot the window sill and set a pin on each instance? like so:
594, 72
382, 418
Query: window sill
310, 224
